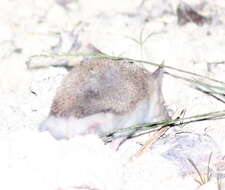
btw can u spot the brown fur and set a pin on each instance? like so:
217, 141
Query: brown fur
103, 85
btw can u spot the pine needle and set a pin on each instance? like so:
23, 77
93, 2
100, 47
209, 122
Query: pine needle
149, 127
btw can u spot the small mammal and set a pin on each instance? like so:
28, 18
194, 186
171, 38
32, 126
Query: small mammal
102, 95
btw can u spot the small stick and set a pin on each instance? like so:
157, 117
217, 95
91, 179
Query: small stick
151, 141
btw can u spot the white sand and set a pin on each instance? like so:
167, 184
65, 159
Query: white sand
33, 160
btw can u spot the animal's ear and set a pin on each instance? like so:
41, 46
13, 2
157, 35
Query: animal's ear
157, 76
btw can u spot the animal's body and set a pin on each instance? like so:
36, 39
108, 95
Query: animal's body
103, 94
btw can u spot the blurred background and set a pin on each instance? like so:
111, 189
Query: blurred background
151, 30
39, 39
188, 35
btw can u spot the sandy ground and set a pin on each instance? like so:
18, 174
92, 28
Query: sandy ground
32, 160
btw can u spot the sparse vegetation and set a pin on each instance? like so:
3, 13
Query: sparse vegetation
203, 178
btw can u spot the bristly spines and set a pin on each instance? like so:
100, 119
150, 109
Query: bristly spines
100, 95
101, 84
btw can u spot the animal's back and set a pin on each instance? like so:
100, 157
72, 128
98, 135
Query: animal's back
101, 95
101, 85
